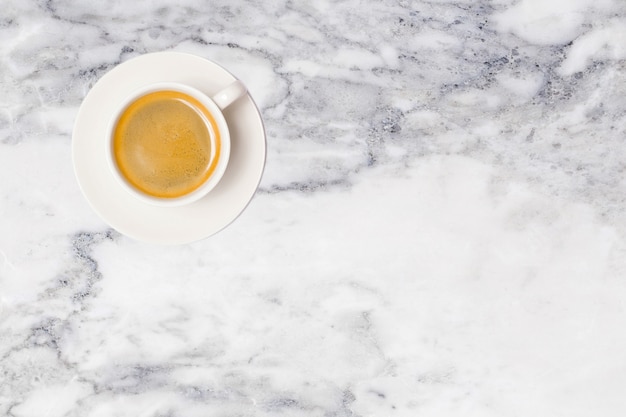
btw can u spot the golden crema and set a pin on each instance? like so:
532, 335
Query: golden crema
166, 144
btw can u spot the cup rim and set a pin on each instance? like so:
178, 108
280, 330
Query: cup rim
223, 158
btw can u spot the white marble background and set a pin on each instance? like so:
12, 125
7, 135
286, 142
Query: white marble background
440, 230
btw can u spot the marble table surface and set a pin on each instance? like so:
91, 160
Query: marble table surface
440, 229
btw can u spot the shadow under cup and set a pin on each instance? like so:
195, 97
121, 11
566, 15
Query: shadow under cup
168, 145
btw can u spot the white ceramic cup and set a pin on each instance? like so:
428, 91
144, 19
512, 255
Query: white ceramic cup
214, 105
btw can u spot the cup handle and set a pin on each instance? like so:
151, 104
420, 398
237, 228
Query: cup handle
226, 96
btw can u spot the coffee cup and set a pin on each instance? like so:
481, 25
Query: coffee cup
168, 143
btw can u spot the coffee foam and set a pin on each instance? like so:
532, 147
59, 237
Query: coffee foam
164, 143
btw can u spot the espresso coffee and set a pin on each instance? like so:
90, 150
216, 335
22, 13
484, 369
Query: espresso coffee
166, 144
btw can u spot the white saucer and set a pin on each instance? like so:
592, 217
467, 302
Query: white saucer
171, 225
